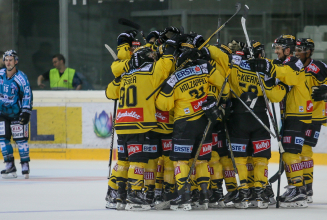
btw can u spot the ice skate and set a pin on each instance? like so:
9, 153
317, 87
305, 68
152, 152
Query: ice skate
158, 197
294, 197
121, 196
183, 201
261, 198
25, 169
216, 200
167, 197
241, 201
135, 201
10, 171
111, 198
270, 193
252, 199
149, 197
229, 197
203, 201
309, 193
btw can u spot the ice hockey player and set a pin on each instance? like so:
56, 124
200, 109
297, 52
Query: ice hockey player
289, 70
186, 91
136, 116
15, 110
316, 75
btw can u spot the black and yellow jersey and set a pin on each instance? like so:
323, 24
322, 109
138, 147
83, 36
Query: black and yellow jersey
187, 89
135, 114
165, 121
316, 75
298, 100
222, 59
121, 66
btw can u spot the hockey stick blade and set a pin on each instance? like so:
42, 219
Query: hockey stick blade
111, 52
245, 11
129, 23
275, 177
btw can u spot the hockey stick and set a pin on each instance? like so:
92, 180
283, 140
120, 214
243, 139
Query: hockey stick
254, 115
243, 20
132, 24
218, 35
112, 137
111, 52
238, 8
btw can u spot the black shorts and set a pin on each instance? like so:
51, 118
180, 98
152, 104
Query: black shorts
219, 139
293, 135
312, 135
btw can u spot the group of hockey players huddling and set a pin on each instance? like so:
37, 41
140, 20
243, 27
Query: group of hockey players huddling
158, 136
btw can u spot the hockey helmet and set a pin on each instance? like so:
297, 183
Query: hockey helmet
285, 41
235, 45
11, 53
224, 48
258, 48
145, 54
304, 44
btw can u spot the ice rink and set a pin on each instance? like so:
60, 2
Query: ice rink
62, 189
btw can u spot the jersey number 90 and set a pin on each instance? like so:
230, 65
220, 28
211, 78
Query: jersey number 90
128, 97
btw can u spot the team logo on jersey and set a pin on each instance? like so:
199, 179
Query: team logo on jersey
150, 148
129, 115
308, 133
249, 167
301, 109
261, 145
162, 116
167, 144
214, 139
313, 68
187, 110
287, 139
197, 105
206, 149
149, 175
139, 171
316, 136
134, 148
229, 173
183, 148
297, 167
120, 148
299, 141
194, 70
309, 106
307, 164
238, 147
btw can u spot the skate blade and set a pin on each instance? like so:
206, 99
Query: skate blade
162, 205
253, 204
27, 176
298, 204
272, 201
229, 205
110, 205
241, 205
309, 199
137, 207
197, 206
9, 175
120, 206
184, 207
262, 205
219, 204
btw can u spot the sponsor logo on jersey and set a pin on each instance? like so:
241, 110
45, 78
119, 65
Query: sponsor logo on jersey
183, 148
237, 59
2, 128
21, 79
16, 128
316, 136
287, 139
308, 133
134, 148
220, 144
261, 145
139, 171
162, 116
214, 139
172, 81
194, 70
129, 115
307, 164
301, 109
287, 168
238, 147
187, 110
206, 149
167, 144
177, 170
159, 167
193, 171
309, 106
150, 148
210, 170
288, 59
229, 173
313, 68
148, 175
299, 64
116, 167
299, 141
266, 173
296, 167
120, 148
244, 64
241, 53
26, 130
197, 105
249, 166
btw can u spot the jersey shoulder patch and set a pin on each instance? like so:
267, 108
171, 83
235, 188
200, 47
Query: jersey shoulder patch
245, 65
2, 71
236, 59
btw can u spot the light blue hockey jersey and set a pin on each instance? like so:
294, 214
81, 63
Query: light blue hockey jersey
15, 94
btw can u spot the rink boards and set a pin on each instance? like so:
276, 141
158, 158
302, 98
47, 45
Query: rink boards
76, 125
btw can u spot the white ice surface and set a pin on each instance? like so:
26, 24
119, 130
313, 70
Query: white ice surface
76, 190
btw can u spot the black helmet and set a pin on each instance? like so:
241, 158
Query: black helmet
189, 42
258, 48
304, 44
145, 54
285, 41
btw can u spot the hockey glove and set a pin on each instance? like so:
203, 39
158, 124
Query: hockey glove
126, 37
320, 93
24, 118
261, 66
210, 109
198, 40
152, 34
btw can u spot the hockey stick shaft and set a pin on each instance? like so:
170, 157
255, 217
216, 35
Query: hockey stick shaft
112, 137
254, 115
238, 8
111, 52
218, 35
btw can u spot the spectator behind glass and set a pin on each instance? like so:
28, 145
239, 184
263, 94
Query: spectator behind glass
60, 77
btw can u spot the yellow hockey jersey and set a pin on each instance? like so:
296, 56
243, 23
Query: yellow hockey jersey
316, 75
121, 66
187, 89
135, 114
